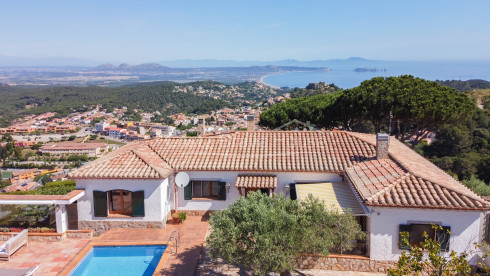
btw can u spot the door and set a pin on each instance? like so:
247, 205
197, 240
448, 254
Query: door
72, 213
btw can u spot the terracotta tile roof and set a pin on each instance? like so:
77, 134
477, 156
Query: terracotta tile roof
412, 191
392, 182
373, 176
300, 151
134, 161
256, 181
409, 180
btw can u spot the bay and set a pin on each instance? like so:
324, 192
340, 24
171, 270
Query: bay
344, 76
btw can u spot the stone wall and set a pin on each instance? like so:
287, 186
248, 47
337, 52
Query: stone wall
196, 212
36, 236
344, 263
100, 226
79, 234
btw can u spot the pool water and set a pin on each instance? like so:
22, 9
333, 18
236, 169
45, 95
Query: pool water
120, 260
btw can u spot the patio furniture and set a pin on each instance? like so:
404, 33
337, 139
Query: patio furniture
18, 271
13, 244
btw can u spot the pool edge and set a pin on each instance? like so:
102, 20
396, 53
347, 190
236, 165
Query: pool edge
84, 251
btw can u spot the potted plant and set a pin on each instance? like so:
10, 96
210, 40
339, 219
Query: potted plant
179, 217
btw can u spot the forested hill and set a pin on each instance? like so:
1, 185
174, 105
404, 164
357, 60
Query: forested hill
464, 86
19, 100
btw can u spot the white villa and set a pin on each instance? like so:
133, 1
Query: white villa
389, 187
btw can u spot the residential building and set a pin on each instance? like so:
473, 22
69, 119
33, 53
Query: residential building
24, 175
165, 131
68, 148
21, 187
101, 127
115, 132
65, 128
385, 184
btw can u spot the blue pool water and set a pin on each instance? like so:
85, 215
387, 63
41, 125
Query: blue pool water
120, 260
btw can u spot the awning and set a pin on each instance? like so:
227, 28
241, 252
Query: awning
256, 181
337, 195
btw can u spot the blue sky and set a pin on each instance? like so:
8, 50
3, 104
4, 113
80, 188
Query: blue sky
154, 31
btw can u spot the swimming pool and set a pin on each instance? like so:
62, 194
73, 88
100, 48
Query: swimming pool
120, 260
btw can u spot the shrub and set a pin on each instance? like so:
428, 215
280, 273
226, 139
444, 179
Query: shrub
182, 216
268, 234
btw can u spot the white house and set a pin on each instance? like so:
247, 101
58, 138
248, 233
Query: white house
389, 187
100, 127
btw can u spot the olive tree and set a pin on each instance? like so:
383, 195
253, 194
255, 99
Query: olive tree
268, 234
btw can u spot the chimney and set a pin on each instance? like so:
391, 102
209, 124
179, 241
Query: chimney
382, 144
201, 126
251, 122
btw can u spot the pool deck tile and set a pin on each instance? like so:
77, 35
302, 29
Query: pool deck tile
192, 235
60, 257
51, 257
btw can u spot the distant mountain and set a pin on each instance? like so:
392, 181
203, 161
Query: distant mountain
12, 61
202, 63
126, 67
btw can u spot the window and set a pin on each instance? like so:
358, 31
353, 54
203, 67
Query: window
416, 231
486, 228
119, 202
264, 191
205, 189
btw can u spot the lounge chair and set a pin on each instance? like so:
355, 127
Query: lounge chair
13, 244
18, 271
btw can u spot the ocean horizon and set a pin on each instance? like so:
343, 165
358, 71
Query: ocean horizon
345, 76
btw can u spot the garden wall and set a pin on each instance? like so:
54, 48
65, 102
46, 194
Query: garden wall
36, 236
344, 263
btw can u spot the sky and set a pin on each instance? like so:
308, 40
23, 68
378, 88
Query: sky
154, 31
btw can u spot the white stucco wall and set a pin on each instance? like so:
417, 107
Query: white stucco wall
384, 228
155, 196
283, 178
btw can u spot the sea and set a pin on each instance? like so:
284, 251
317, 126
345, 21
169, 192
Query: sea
345, 75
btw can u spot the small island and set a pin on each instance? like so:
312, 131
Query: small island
369, 70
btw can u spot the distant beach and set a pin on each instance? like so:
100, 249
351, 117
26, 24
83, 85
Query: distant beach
261, 80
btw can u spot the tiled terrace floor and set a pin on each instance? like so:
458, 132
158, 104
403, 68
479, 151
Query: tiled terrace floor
192, 235
50, 256
58, 258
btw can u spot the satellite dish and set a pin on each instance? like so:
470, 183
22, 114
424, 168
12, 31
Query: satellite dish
182, 179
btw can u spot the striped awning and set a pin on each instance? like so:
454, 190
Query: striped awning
256, 181
337, 195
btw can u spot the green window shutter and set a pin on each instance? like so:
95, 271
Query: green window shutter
138, 203
100, 204
292, 191
443, 236
404, 228
188, 191
222, 191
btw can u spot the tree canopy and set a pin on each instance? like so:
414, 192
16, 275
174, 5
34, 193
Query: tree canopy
267, 234
414, 107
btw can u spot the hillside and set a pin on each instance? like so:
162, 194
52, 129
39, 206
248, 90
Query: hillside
165, 97
467, 85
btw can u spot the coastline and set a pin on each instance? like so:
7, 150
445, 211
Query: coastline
261, 80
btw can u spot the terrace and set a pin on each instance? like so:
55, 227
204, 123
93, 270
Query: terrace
60, 257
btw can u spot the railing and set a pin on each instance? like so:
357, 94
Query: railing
174, 240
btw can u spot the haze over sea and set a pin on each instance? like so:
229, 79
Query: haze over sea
344, 76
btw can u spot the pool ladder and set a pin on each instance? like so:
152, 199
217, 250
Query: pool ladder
174, 240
